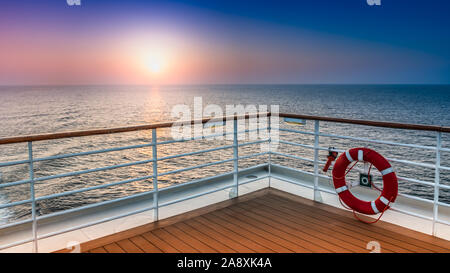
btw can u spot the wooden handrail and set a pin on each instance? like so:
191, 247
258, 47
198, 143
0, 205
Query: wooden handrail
395, 125
105, 131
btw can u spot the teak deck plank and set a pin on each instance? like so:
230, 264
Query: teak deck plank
98, 250
255, 247
114, 248
292, 235
267, 221
145, 245
393, 230
161, 244
211, 241
372, 231
174, 241
273, 247
229, 241
264, 233
190, 240
350, 236
349, 228
296, 223
347, 241
129, 247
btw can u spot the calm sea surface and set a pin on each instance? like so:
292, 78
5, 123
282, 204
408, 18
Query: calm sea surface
33, 110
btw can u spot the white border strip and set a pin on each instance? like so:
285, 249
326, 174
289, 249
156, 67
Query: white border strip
349, 157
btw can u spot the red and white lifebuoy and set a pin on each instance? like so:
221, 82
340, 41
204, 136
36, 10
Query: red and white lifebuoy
390, 183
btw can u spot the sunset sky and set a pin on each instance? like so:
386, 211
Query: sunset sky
209, 41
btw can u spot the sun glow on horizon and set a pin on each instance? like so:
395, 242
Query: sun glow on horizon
155, 67
154, 57
156, 62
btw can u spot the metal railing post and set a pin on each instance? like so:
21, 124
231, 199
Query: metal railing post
33, 197
270, 149
317, 196
437, 181
155, 176
235, 156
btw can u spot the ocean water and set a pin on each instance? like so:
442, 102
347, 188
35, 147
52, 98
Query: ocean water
35, 110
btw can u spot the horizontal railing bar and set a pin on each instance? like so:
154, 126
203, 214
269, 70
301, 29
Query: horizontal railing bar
394, 160
94, 205
297, 144
295, 131
443, 222
196, 167
252, 143
398, 160
56, 195
196, 152
203, 137
333, 149
343, 151
252, 155
443, 204
294, 156
10, 184
190, 139
12, 163
13, 204
414, 180
93, 170
425, 165
93, 152
248, 130
379, 141
16, 223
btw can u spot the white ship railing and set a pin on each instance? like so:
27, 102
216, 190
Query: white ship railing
34, 237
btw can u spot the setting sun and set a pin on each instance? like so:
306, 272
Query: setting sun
155, 65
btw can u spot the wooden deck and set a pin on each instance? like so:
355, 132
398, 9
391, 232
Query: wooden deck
267, 221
